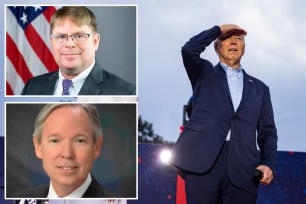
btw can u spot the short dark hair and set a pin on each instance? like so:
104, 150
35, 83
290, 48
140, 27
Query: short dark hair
80, 15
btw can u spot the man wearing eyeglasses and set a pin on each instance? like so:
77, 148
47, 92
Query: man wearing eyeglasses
74, 39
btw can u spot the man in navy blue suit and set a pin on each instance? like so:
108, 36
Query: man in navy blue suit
232, 113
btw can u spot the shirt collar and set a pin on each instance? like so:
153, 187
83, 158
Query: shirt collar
226, 67
80, 77
83, 75
77, 81
77, 193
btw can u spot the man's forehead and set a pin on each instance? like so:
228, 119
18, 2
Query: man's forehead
231, 33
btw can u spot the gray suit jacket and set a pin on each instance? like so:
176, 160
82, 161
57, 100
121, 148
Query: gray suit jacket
98, 82
95, 190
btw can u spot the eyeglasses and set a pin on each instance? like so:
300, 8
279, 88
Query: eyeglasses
77, 38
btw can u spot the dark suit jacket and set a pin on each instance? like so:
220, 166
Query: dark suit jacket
213, 116
95, 190
98, 82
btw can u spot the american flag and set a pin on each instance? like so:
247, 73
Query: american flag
28, 46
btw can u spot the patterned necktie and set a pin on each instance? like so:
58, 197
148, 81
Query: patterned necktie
66, 86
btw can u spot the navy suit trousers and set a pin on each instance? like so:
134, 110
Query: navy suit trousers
215, 187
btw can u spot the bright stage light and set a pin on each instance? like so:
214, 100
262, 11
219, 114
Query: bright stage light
165, 156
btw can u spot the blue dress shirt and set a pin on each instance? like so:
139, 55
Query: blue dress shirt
235, 85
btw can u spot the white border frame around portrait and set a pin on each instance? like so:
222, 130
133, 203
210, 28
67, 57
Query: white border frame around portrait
107, 98
83, 102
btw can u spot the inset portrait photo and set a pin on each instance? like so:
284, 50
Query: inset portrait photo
71, 50
71, 150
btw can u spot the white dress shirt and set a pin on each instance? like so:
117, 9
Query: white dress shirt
77, 193
77, 81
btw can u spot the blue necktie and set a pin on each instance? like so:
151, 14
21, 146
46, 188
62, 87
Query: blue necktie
66, 86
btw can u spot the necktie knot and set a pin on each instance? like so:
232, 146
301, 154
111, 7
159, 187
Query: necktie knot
66, 86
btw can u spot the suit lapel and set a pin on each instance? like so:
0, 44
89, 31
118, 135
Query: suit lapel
45, 191
94, 190
221, 74
49, 87
95, 77
248, 83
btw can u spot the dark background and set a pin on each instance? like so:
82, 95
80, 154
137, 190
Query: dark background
115, 169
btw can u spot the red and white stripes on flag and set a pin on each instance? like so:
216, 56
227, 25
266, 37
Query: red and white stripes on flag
28, 46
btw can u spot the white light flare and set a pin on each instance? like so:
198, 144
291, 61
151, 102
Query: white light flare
165, 156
